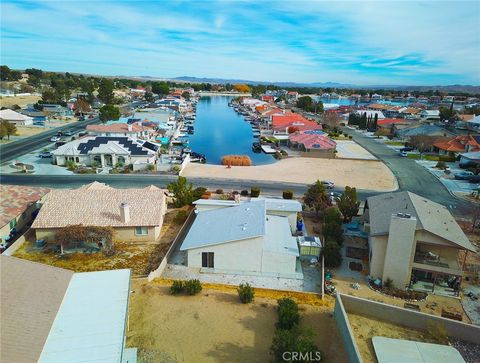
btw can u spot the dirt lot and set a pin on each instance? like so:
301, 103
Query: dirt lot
134, 255
214, 326
372, 175
22, 101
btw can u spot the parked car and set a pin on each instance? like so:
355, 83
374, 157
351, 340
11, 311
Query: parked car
68, 133
54, 139
83, 133
45, 154
464, 175
406, 148
328, 184
403, 154
474, 179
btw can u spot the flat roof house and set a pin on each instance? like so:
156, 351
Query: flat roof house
243, 238
51, 315
15, 117
106, 151
135, 214
415, 242
18, 205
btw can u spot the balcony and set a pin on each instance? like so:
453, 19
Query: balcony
432, 262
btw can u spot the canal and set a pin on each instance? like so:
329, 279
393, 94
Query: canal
220, 131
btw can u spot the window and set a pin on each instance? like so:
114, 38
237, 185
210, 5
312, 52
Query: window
77, 159
207, 259
141, 231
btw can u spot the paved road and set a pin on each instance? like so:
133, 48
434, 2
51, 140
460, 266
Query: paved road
410, 175
20, 147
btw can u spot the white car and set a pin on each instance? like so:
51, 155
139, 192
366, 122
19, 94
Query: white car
328, 184
54, 139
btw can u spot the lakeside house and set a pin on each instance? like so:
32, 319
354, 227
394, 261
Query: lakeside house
105, 151
18, 207
371, 114
50, 314
312, 144
243, 239
287, 123
414, 242
387, 124
134, 130
459, 144
430, 115
136, 215
15, 118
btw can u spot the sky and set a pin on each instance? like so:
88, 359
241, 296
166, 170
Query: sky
355, 42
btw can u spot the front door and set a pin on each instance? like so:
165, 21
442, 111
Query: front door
108, 160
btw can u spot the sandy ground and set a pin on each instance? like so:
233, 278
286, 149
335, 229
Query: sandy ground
365, 328
214, 326
348, 149
372, 175
22, 101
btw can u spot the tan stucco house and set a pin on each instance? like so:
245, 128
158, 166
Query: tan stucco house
414, 242
135, 214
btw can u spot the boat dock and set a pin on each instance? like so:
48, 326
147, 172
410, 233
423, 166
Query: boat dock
267, 149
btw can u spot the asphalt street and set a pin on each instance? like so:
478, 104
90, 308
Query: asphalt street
20, 147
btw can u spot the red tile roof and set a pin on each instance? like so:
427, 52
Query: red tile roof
15, 199
281, 122
313, 140
389, 121
115, 127
460, 143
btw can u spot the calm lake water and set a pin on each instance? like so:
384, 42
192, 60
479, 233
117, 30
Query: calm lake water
220, 131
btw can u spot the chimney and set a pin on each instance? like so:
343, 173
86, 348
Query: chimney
125, 212
129, 126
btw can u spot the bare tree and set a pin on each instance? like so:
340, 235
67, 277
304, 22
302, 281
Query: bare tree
331, 119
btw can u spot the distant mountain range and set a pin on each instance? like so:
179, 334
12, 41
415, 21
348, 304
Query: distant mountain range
448, 88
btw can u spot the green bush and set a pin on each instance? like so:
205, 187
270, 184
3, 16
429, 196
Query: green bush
71, 165
447, 158
95, 164
255, 192
288, 314
388, 284
296, 340
244, 193
180, 217
441, 165
175, 169
198, 192
177, 287
245, 293
331, 252
151, 167
193, 287
287, 194
350, 137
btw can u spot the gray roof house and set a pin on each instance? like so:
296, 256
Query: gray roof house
243, 239
413, 239
49, 314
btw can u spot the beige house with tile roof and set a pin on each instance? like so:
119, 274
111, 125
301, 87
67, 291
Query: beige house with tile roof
135, 214
414, 241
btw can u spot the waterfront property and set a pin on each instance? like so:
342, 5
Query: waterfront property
243, 239
459, 144
49, 314
135, 214
414, 242
134, 131
18, 206
104, 151
15, 117
285, 124
312, 144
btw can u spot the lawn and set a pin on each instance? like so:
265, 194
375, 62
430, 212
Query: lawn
140, 257
214, 326
395, 143
424, 157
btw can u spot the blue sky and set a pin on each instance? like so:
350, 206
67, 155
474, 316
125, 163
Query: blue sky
357, 42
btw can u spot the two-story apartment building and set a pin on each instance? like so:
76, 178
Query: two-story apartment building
414, 242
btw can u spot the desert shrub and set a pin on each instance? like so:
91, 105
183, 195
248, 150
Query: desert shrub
236, 160
254, 192
151, 167
224, 197
441, 165
175, 169
244, 193
245, 293
180, 217
437, 332
95, 164
447, 158
71, 165
296, 340
288, 314
198, 192
177, 287
287, 194
332, 255
219, 191
119, 164
193, 287
388, 283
